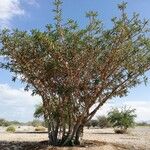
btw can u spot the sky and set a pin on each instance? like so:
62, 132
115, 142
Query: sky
15, 103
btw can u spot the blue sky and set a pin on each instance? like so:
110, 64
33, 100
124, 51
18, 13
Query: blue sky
15, 104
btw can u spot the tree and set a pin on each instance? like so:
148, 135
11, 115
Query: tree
88, 124
4, 122
103, 122
74, 68
39, 111
94, 123
35, 123
143, 123
122, 119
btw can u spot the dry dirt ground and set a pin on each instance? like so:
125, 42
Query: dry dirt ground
95, 139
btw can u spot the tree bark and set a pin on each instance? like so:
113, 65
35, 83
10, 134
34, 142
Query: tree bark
79, 134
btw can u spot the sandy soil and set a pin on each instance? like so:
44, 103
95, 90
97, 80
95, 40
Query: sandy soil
137, 139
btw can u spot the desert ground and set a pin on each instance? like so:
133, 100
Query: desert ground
26, 139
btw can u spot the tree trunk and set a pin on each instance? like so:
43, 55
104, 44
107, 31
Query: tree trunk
71, 136
79, 134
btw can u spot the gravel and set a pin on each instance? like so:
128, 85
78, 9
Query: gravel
136, 139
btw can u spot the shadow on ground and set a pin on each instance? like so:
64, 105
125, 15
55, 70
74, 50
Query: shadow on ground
88, 145
23, 132
103, 133
6, 145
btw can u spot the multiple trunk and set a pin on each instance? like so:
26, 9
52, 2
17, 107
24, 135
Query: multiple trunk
67, 137
65, 121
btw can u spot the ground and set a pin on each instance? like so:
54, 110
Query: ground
95, 139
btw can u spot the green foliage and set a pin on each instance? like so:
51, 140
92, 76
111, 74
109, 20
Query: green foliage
94, 123
74, 68
11, 129
40, 129
39, 111
35, 123
122, 119
4, 123
15, 123
103, 122
88, 124
142, 124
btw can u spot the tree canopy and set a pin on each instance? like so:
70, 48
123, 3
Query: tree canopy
74, 68
122, 119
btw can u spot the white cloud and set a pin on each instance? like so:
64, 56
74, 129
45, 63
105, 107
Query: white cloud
8, 10
33, 3
1, 57
16, 104
12, 8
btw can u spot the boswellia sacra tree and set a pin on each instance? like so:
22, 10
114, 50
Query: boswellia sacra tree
74, 69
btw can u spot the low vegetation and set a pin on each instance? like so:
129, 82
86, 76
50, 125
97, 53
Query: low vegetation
122, 119
6, 123
100, 122
103, 122
119, 119
11, 129
40, 129
35, 123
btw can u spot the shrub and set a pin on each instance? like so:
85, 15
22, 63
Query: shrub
94, 123
35, 123
88, 124
103, 122
122, 119
142, 124
40, 129
11, 129
4, 123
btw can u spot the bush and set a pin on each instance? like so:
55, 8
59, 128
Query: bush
122, 120
35, 123
88, 124
103, 122
94, 123
120, 131
142, 124
40, 129
11, 129
4, 123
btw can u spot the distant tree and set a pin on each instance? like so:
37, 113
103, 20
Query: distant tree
4, 123
122, 119
74, 68
88, 124
35, 123
103, 122
94, 123
15, 122
142, 124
